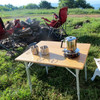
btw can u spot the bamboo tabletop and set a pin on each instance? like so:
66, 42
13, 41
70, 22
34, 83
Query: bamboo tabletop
56, 55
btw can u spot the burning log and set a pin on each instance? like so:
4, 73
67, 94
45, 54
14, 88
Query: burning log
27, 32
8, 25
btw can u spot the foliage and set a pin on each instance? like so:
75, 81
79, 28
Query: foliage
81, 3
8, 7
45, 4
74, 4
68, 3
31, 6
4, 8
11, 7
89, 6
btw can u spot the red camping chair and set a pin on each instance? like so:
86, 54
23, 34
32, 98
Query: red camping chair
58, 22
4, 33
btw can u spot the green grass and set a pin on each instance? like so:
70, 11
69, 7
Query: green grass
26, 12
83, 11
34, 12
59, 84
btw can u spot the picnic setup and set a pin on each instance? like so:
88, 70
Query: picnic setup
55, 57
48, 49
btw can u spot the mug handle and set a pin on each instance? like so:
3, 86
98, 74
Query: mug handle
61, 43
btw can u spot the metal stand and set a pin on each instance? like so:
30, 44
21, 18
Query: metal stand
4, 47
28, 74
77, 83
28, 65
85, 72
77, 78
47, 69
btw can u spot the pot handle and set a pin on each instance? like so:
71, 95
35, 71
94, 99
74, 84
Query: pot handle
61, 43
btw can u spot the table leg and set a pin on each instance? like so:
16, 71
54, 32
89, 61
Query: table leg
77, 83
47, 69
28, 76
85, 72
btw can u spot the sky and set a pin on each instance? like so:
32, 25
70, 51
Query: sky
25, 2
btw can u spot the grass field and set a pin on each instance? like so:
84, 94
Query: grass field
27, 12
59, 84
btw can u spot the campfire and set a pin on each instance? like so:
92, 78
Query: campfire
27, 32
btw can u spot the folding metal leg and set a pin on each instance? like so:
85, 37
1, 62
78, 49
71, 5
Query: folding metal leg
4, 47
77, 83
50, 32
63, 30
47, 69
85, 72
28, 76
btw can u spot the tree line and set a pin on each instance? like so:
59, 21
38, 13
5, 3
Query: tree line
47, 5
74, 4
42, 5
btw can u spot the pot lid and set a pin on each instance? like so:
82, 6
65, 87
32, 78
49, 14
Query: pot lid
70, 38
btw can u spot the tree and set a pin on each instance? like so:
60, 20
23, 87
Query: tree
89, 6
3, 8
31, 6
74, 4
81, 3
11, 7
68, 3
45, 4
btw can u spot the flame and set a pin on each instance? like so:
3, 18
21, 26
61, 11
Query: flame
23, 28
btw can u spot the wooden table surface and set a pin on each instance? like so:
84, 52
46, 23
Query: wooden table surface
56, 55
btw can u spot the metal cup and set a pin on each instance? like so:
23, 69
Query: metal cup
35, 50
44, 50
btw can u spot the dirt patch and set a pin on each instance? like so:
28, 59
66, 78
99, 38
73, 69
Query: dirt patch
84, 15
36, 16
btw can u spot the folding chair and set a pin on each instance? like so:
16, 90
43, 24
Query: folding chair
58, 22
97, 71
4, 33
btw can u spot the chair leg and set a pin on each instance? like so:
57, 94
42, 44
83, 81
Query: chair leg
64, 31
96, 73
4, 47
50, 32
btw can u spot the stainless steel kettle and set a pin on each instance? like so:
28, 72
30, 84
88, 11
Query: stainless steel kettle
70, 43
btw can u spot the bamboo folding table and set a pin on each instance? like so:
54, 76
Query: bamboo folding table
56, 58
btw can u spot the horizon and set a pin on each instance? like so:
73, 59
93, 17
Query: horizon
17, 3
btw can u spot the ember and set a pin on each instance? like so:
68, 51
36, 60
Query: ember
23, 28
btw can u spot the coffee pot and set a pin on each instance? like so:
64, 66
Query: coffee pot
70, 43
